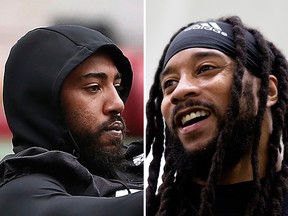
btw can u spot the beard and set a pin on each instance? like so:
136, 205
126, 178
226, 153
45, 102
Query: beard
238, 141
93, 154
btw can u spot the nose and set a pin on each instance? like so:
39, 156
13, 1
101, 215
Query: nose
187, 87
114, 104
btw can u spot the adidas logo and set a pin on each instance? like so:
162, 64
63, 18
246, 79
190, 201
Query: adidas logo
209, 26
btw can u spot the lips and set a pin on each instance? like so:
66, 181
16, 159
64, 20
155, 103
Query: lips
115, 129
116, 125
190, 116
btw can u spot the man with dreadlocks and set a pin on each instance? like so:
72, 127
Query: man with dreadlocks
222, 89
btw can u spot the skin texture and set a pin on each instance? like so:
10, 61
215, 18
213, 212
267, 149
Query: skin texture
199, 79
93, 107
189, 76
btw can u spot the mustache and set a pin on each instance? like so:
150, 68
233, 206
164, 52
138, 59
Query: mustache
105, 125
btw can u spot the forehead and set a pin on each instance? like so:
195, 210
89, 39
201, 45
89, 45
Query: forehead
193, 55
99, 62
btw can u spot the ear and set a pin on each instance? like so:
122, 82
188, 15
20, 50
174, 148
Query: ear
272, 91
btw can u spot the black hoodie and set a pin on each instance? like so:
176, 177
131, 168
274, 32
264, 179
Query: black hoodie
44, 176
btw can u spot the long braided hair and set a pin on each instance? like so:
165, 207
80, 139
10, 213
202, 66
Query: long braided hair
269, 194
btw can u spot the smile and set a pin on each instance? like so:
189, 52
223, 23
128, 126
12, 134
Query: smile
194, 117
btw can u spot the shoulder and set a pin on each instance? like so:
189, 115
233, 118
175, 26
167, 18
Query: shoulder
40, 194
134, 163
26, 192
29, 185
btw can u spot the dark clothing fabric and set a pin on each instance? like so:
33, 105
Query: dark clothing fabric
41, 182
230, 200
39, 194
45, 176
215, 35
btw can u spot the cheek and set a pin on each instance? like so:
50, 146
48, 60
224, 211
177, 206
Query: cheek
166, 109
83, 116
89, 111
80, 121
221, 95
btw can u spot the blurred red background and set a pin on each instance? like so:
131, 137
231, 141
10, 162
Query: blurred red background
133, 113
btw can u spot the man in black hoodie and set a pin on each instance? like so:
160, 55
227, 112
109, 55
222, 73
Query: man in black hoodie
64, 91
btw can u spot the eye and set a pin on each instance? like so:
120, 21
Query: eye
169, 85
118, 86
93, 88
206, 68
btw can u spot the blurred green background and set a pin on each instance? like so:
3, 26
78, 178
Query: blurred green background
5, 147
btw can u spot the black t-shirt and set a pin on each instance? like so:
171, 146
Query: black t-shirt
230, 200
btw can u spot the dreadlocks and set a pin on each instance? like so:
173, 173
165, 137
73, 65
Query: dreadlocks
268, 195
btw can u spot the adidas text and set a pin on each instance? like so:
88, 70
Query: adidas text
211, 26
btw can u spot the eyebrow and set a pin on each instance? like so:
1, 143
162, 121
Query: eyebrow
204, 54
101, 75
197, 56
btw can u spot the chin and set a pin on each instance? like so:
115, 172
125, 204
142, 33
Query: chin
111, 148
111, 145
196, 146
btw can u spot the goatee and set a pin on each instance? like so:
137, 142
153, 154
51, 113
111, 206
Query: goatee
93, 155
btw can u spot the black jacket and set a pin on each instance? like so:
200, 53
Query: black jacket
44, 176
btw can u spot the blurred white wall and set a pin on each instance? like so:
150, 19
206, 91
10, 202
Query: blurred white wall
165, 17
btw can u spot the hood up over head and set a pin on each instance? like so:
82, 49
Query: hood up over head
34, 73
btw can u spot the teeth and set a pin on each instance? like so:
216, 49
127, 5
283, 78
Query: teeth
194, 115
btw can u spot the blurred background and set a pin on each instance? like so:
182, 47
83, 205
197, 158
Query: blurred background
121, 20
165, 17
